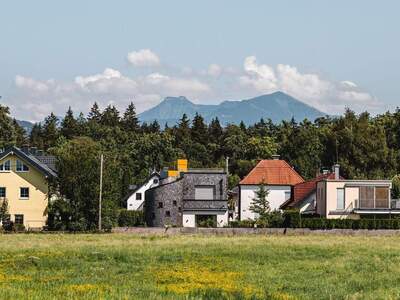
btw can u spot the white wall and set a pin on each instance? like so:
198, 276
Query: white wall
132, 203
189, 218
308, 204
276, 198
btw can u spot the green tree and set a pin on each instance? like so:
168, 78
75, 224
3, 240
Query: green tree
69, 125
78, 181
260, 204
130, 121
7, 129
50, 131
20, 134
110, 116
94, 114
396, 187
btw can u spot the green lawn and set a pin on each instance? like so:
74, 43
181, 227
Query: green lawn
122, 266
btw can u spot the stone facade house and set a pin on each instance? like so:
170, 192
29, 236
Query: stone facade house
189, 198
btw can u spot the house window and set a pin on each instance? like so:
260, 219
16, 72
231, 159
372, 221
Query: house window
167, 213
6, 166
155, 181
160, 205
382, 197
366, 197
21, 167
340, 199
138, 196
204, 192
24, 193
174, 202
19, 219
2, 192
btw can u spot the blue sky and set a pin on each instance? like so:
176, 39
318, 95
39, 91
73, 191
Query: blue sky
329, 54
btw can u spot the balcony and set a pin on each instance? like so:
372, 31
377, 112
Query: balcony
377, 206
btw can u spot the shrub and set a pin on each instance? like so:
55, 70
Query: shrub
243, 223
130, 218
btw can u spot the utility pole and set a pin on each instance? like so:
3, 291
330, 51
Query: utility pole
227, 166
101, 189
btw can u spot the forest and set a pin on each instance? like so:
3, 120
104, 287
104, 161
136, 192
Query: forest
365, 146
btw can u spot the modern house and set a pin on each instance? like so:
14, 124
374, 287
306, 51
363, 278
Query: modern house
188, 197
279, 179
339, 198
304, 196
24, 184
137, 194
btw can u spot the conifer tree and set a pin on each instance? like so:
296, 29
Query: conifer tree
260, 204
130, 121
199, 130
69, 125
94, 114
50, 131
7, 130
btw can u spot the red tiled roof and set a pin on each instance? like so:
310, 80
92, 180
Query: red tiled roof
273, 172
304, 189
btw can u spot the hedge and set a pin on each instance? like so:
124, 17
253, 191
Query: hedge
293, 219
130, 218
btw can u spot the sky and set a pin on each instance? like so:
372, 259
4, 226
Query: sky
328, 54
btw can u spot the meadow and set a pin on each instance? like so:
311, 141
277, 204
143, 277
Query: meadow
123, 266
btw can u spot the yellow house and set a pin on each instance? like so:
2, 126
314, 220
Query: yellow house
24, 176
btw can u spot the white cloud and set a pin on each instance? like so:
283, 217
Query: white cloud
326, 95
34, 99
214, 70
108, 87
31, 84
143, 58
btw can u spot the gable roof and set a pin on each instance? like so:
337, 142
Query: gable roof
304, 189
131, 192
273, 172
31, 159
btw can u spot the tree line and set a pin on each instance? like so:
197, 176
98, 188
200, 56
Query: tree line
365, 146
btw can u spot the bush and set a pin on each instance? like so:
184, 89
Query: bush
293, 221
242, 224
130, 218
10, 226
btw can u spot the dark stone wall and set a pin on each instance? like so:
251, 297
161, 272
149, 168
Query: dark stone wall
180, 195
170, 195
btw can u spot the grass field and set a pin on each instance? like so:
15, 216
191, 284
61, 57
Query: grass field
84, 266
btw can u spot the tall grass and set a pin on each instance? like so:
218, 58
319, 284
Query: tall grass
122, 266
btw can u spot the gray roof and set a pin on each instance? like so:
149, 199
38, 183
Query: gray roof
47, 169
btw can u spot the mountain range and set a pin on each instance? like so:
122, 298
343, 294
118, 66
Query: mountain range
277, 106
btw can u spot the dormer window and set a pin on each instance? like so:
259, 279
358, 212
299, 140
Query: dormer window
21, 167
5, 166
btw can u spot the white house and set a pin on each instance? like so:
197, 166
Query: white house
136, 196
279, 179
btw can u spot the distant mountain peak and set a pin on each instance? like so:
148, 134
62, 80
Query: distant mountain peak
277, 106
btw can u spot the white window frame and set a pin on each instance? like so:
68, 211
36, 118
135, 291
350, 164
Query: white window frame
3, 166
23, 167
20, 193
